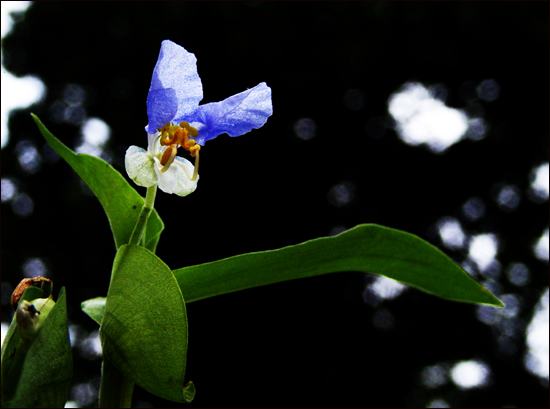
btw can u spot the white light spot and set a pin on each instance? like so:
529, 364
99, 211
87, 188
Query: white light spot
305, 128
4, 330
421, 118
493, 286
28, 156
34, 267
74, 94
15, 92
74, 114
477, 128
487, 315
489, 90
468, 266
8, 7
541, 247
513, 305
75, 335
386, 288
438, 403
90, 347
451, 232
483, 249
518, 274
341, 194
22, 204
474, 208
537, 357
83, 394
492, 271
90, 149
470, 374
95, 131
539, 181
434, 376
8, 189
508, 198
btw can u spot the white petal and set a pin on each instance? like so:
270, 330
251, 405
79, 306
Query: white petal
166, 180
140, 166
153, 145
184, 184
177, 179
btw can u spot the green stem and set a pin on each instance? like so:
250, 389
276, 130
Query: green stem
139, 229
115, 390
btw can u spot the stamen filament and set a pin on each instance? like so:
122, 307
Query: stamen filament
196, 171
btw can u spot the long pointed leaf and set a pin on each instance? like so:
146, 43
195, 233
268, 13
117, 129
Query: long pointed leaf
120, 201
144, 329
368, 248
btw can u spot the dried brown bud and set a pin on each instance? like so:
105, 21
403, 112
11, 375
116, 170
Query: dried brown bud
23, 285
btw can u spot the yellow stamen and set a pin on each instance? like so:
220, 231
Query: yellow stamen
174, 136
165, 138
192, 131
194, 150
168, 157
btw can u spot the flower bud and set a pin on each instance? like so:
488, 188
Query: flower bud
31, 315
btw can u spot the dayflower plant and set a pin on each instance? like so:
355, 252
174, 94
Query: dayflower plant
143, 319
177, 120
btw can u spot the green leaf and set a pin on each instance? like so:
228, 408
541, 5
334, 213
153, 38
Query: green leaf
38, 373
32, 293
368, 248
144, 329
121, 202
94, 308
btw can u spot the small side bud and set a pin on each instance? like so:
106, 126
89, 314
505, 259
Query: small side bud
31, 315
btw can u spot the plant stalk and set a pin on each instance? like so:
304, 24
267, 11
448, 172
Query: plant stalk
116, 390
141, 224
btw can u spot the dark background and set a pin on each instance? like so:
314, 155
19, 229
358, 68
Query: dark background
309, 342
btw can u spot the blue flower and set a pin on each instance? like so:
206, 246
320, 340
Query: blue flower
177, 120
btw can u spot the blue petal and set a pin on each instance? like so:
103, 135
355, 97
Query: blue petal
162, 107
176, 68
235, 115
